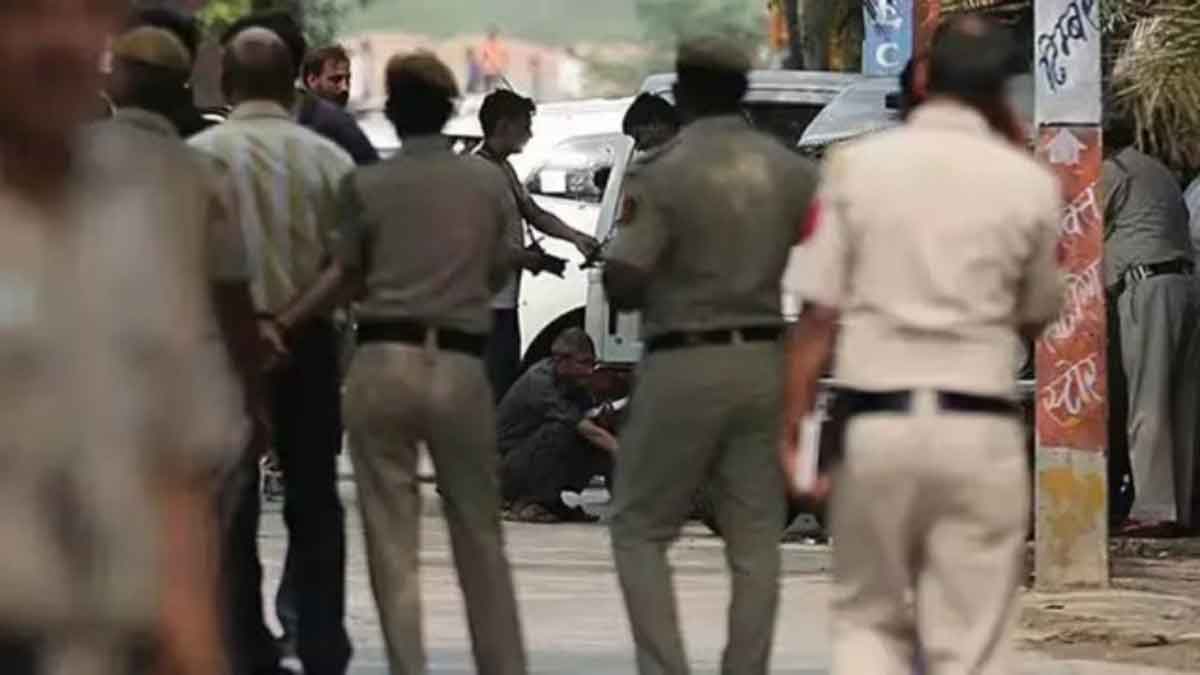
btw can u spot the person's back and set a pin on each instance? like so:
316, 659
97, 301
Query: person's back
1147, 216
284, 182
428, 269
933, 248
726, 255
1149, 273
941, 253
285, 178
707, 227
423, 232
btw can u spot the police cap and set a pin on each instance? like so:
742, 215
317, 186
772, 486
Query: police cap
153, 46
423, 67
712, 53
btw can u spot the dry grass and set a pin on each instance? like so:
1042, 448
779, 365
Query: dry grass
1157, 76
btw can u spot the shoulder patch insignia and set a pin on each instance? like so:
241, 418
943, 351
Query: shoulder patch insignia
811, 222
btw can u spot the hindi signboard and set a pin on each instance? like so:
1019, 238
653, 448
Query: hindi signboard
1067, 61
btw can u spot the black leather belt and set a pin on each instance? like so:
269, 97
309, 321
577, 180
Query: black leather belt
866, 402
725, 336
413, 333
1135, 273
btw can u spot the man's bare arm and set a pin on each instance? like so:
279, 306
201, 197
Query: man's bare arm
598, 436
810, 345
552, 226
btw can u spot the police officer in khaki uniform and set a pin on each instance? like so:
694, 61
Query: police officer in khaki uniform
425, 232
933, 250
707, 226
111, 402
150, 69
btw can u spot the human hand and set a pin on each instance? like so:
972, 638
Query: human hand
272, 343
794, 460
262, 431
587, 245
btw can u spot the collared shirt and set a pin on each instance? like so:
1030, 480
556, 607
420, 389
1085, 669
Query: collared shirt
711, 217
937, 241
518, 207
285, 181
536, 399
427, 228
106, 385
337, 125
1146, 219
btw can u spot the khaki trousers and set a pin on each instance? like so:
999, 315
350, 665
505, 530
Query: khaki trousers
1160, 345
929, 519
701, 415
397, 396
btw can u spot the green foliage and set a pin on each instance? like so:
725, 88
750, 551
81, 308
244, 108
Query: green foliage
321, 18
666, 22
556, 22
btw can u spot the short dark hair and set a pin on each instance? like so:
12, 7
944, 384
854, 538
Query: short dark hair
705, 90
314, 63
178, 24
573, 341
1120, 128
416, 107
649, 109
282, 24
260, 71
971, 59
503, 105
154, 88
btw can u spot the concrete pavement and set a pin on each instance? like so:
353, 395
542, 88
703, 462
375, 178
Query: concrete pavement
573, 616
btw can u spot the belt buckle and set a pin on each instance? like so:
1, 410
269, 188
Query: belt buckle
691, 339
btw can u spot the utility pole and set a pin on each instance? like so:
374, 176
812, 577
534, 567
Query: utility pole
1072, 381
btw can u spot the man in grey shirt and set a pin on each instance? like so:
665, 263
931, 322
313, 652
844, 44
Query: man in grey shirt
1192, 197
1148, 268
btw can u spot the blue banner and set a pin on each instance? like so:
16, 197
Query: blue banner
888, 30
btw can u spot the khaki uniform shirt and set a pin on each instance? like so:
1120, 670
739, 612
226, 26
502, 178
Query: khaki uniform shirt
937, 241
104, 309
427, 227
1146, 218
712, 217
285, 181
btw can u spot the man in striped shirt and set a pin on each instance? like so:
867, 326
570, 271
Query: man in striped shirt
285, 182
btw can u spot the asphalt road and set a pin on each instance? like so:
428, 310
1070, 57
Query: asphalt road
573, 616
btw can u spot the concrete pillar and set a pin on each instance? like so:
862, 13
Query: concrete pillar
1072, 393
